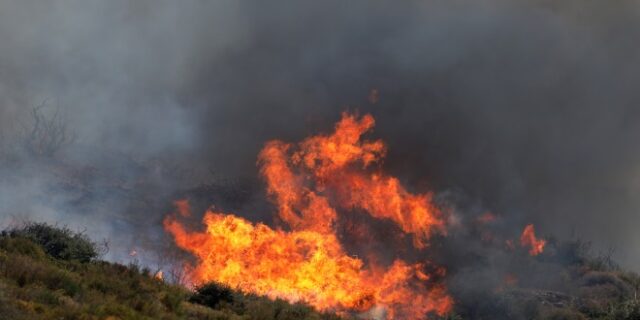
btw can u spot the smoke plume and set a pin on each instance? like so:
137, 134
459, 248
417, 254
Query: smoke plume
528, 109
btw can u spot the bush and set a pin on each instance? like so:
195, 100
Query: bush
58, 242
173, 298
628, 310
36, 286
21, 246
211, 294
605, 286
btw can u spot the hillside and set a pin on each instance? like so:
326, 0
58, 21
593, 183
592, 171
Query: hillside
48, 272
569, 281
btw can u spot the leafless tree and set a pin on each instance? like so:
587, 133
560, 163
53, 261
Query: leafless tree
46, 134
178, 275
102, 247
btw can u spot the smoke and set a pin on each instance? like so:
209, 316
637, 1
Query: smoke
528, 109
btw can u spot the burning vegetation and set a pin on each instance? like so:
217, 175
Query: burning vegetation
51, 272
529, 239
324, 189
492, 114
303, 259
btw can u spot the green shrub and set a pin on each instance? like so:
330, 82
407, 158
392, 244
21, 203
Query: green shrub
605, 286
71, 284
628, 310
211, 294
172, 299
58, 242
63, 281
22, 246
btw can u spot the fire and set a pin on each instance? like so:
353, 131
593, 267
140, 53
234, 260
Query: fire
311, 184
334, 167
528, 239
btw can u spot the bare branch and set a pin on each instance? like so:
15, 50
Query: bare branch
47, 134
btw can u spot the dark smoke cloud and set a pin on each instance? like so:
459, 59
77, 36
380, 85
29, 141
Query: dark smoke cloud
530, 108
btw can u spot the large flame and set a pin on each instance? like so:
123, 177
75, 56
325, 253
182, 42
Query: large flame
311, 183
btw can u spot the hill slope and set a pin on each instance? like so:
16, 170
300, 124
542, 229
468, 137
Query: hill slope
36, 285
48, 272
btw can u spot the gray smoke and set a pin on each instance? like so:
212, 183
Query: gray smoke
530, 108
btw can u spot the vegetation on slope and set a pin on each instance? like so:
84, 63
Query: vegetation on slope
583, 285
48, 272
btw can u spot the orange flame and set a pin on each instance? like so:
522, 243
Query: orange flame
528, 239
331, 162
311, 183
